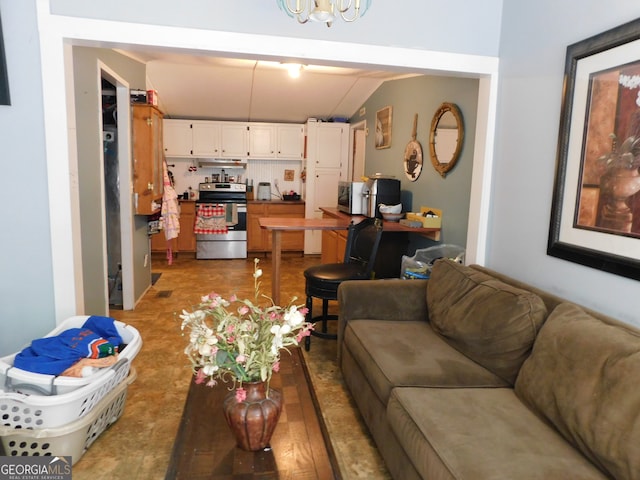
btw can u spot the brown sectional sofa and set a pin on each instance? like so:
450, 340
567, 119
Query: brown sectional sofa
474, 375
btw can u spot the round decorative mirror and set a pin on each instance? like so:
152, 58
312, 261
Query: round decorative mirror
446, 137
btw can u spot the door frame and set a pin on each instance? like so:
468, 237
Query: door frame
123, 124
58, 33
361, 125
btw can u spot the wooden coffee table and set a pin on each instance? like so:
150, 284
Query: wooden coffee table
300, 448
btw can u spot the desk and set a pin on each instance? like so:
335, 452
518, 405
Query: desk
277, 225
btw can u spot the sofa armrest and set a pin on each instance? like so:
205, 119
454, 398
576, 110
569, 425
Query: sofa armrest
392, 299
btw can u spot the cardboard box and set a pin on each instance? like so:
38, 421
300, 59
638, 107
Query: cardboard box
434, 220
152, 97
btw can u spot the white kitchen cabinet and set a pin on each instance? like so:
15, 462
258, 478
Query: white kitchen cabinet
290, 141
206, 139
219, 139
177, 138
187, 138
262, 141
327, 161
234, 140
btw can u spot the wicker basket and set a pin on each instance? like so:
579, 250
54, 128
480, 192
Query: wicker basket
72, 439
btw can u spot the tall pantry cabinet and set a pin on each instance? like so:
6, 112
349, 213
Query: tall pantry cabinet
327, 163
147, 158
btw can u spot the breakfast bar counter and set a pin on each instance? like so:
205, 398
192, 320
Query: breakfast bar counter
333, 220
431, 233
277, 225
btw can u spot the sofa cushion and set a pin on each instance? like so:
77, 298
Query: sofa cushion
391, 353
480, 433
582, 376
488, 320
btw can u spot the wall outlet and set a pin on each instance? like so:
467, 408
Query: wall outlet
146, 259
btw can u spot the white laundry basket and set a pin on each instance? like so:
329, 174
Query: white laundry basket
14, 379
19, 410
72, 439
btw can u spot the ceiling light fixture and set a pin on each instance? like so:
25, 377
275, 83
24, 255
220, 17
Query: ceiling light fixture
324, 11
294, 69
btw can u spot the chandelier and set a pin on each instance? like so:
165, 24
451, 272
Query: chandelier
324, 11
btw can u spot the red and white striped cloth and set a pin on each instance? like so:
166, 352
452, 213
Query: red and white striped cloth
210, 219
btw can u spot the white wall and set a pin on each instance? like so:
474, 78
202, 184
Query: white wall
533, 45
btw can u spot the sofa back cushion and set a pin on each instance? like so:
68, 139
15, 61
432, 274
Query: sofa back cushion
488, 320
582, 376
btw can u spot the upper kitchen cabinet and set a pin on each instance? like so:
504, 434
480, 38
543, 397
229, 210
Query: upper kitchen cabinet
147, 158
206, 141
276, 140
290, 141
262, 141
177, 138
237, 140
186, 138
234, 140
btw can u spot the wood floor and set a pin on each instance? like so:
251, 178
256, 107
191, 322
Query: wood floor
297, 448
138, 446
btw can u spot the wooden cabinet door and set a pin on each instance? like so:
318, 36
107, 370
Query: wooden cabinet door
341, 246
206, 139
158, 242
147, 158
290, 141
262, 139
186, 241
329, 245
256, 236
177, 138
234, 140
291, 241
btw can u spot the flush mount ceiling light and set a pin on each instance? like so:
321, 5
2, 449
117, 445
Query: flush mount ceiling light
324, 11
294, 69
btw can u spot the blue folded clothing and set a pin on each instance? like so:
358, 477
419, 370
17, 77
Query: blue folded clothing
97, 338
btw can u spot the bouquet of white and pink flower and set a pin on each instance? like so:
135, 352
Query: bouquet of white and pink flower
239, 340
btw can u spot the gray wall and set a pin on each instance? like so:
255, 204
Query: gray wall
424, 95
535, 36
90, 179
531, 46
26, 290
465, 26
26, 273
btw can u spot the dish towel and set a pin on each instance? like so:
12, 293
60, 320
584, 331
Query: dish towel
211, 220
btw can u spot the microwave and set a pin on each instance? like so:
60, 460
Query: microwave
351, 199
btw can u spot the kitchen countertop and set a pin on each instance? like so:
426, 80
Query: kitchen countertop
291, 202
432, 233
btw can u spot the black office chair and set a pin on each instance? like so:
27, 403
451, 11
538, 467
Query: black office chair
322, 281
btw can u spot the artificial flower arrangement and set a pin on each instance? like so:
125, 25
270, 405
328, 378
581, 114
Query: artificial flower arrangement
239, 340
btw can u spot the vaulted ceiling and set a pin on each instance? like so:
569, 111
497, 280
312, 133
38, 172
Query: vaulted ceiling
207, 87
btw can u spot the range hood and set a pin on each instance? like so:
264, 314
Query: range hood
222, 163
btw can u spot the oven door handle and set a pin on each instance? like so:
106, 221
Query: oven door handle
242, 207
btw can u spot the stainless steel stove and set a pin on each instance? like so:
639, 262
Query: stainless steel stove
231, 240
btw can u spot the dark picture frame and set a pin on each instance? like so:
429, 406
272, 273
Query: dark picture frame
4, 76
595, 212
